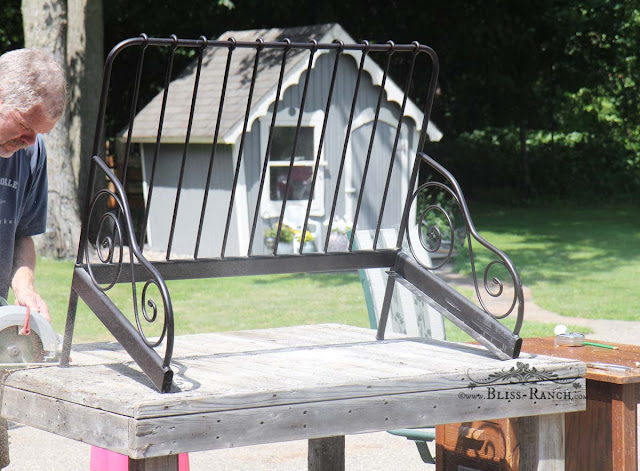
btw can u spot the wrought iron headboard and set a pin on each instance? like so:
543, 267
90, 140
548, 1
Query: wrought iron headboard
254, 70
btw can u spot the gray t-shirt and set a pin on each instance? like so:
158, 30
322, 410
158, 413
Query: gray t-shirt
23, 202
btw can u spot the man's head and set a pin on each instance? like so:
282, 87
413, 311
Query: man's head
33, 94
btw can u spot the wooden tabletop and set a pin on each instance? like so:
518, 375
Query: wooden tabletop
625, 355
270, 385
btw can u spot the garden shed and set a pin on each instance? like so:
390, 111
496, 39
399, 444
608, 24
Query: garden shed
247, 117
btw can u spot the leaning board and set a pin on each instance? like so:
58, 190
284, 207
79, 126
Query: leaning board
263, 386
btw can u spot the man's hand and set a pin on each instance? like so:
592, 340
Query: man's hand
27, 297
22, 283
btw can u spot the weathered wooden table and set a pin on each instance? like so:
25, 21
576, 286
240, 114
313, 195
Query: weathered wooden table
316, 382
608, 438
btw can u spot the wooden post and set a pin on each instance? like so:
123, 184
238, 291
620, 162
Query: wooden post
4, 429
541, 441
4, 443
160, 463
326, 454
624, 421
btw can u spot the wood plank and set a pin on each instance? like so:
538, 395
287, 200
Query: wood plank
624, 421
589, 432
551, 443
4, 443
196, 432
625, 355
81, 423
542, 443
283, 376
232, 388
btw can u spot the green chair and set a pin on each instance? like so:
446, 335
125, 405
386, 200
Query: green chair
409, 314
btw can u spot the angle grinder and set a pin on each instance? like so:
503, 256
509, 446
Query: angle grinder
25, 336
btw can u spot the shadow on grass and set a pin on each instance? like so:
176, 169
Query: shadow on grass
580, 261
553, 244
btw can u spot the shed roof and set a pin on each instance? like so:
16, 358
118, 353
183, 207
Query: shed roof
179, 99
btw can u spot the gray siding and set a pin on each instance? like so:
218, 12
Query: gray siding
190, 206
164, 195
334, 144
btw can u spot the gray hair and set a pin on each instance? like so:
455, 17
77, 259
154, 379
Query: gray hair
29, 78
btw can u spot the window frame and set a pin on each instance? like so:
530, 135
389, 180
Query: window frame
289, 118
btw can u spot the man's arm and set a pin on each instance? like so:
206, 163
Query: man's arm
22, 282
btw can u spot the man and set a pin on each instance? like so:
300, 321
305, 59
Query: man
32, 99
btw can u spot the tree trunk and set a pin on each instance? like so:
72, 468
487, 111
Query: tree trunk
45, 28
85, 44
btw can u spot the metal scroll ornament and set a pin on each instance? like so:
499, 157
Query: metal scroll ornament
109, 249
443, 223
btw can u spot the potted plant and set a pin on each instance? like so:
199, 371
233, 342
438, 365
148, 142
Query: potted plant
287, 236
338, 239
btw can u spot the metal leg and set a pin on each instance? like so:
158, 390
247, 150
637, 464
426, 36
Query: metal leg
386, 306
68, 329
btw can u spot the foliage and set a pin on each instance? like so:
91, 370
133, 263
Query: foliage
517, 69
11, 36
563, 166
287, 233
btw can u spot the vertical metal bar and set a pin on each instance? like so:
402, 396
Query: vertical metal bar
371, 141
185, 151
322, 135
132, 115
404, 222
305, 89
232, 46
265, 164
395, 146
365, 51
386, 306
256, 61
429, 102
156, 151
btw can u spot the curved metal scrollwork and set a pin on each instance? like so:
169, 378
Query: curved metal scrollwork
108, 238
430, 233
112, 227
437, 223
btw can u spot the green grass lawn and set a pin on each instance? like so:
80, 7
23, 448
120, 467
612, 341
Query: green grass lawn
582, 262
577, 262
236, 303
220, 304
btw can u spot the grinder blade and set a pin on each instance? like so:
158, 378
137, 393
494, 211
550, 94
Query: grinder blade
16, 348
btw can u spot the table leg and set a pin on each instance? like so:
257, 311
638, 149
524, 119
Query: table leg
4, 443
541, 443
624, 421
326, 454
160, 463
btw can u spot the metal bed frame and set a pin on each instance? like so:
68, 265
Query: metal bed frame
93, 277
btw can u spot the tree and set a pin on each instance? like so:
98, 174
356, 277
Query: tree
85, 44
72, 31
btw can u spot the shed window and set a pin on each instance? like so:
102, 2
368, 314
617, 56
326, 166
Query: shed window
302, 171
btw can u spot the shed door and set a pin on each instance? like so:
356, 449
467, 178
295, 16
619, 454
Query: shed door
374, 184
